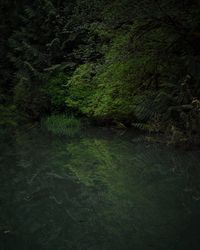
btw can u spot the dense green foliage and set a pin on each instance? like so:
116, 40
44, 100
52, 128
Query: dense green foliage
124, 62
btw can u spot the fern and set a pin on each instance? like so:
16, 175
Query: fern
29, 12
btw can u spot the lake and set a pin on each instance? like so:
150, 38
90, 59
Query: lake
98, 189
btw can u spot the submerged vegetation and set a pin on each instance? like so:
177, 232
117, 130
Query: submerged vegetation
134, 63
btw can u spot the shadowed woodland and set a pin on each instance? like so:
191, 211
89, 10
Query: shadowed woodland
125, 63
99, 100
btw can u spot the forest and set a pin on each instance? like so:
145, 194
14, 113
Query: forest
99, 124
122, 63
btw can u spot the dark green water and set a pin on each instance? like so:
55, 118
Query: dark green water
97, 191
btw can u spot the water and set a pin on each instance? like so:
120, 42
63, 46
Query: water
98, 190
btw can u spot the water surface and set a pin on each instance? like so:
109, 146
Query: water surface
98, 190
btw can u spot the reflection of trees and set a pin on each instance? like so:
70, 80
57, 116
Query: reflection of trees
44, 195
141, 188
93, 193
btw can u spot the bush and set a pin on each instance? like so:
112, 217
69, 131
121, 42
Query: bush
57, 91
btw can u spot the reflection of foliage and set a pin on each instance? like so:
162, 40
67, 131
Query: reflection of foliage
95, 193
132, 179
95, 153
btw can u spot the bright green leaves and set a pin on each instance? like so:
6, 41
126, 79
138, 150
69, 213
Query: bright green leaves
81, 89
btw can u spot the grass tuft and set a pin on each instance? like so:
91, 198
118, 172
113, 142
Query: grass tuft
62, 124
